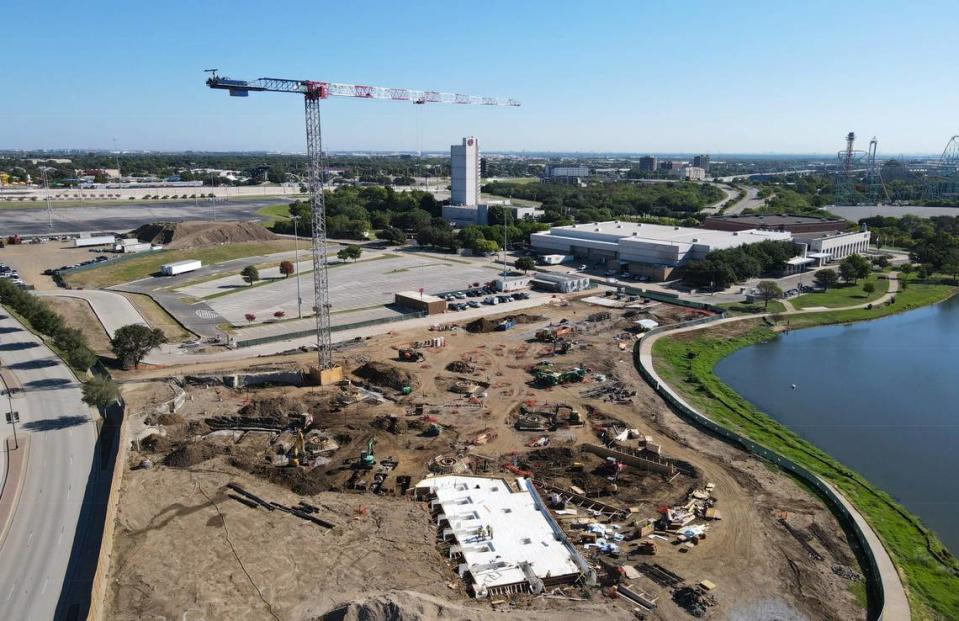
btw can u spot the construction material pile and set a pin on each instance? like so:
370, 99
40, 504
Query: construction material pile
201, 233
694, 599
387, 375
484, 324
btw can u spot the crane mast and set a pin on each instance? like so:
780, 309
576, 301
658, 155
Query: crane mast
313, 93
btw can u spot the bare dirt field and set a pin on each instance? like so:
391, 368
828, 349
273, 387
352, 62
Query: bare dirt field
184, 545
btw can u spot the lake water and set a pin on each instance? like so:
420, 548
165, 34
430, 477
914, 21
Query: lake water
880, 396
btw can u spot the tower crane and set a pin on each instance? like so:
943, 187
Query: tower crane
313, 92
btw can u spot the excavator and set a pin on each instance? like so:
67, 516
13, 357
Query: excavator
367, 458
298, 450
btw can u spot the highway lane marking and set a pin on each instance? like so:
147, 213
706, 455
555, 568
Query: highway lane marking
60, 538
30, 539
10, 594
69, 491
45, 583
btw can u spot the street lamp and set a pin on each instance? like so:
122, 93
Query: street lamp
296, 267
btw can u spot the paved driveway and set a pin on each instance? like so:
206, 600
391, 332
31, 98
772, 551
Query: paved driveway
112, 309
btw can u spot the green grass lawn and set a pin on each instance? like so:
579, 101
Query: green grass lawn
144, 265
846, 294
687, 362
272, 213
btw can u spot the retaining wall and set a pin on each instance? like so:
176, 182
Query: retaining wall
873, 578
311, 332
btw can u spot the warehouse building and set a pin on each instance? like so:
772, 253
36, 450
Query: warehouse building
651, 250
504, 541
775, 222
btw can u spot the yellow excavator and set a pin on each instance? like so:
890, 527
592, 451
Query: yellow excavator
298, 450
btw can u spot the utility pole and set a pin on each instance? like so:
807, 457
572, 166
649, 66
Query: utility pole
46, 192
296, 267
12, 417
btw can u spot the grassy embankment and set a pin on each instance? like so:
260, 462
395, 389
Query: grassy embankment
272, 213
742, 308
686, 362
141, 266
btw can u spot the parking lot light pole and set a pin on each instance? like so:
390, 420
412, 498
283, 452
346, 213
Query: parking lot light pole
12, 417
296, 267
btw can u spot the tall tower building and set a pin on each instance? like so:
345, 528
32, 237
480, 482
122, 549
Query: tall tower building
465, 173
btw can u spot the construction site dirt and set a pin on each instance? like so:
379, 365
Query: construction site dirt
604, 452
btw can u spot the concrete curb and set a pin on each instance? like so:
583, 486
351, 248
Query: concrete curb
16, 468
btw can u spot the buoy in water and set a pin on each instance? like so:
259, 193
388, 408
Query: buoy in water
794, 387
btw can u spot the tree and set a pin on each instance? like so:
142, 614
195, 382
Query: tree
951, 267
250, 274
868, 287
250, 317
392, 235
131, 343
279, 314
75, 350
826, 279
286, 268
350, 252
854, 267
100, 392
525, 264
484, 246
768, 290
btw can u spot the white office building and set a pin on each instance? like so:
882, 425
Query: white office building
835, 246
652, 250
465, 173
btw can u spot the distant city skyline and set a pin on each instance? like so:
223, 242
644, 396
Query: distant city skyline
751, 78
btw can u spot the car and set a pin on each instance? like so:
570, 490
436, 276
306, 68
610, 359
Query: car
582, 268
612, 281
474, 304
99, 259
487, 300
459, 295
610, 272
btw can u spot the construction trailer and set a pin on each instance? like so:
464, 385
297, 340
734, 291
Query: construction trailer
424, 302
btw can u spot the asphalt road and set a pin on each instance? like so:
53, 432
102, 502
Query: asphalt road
40, 545
109, 216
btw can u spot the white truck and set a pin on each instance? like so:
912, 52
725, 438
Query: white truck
552, 259
101, 240
180, 267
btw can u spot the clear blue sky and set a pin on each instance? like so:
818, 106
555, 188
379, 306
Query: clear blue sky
652, 76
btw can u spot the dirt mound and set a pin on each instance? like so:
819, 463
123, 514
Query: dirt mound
484, 324
168, 418
383, 374
201, 233
413, 606
277, 409
187, 455
460, 366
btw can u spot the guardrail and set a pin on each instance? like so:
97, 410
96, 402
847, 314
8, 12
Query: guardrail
873, 578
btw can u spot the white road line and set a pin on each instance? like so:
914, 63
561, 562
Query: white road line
30, 538
45, 583
10, 594
60, 538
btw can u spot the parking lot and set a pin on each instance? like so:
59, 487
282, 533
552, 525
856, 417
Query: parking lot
367, 283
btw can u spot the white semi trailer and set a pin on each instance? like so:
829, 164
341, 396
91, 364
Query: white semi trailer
180, 267
101, 240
